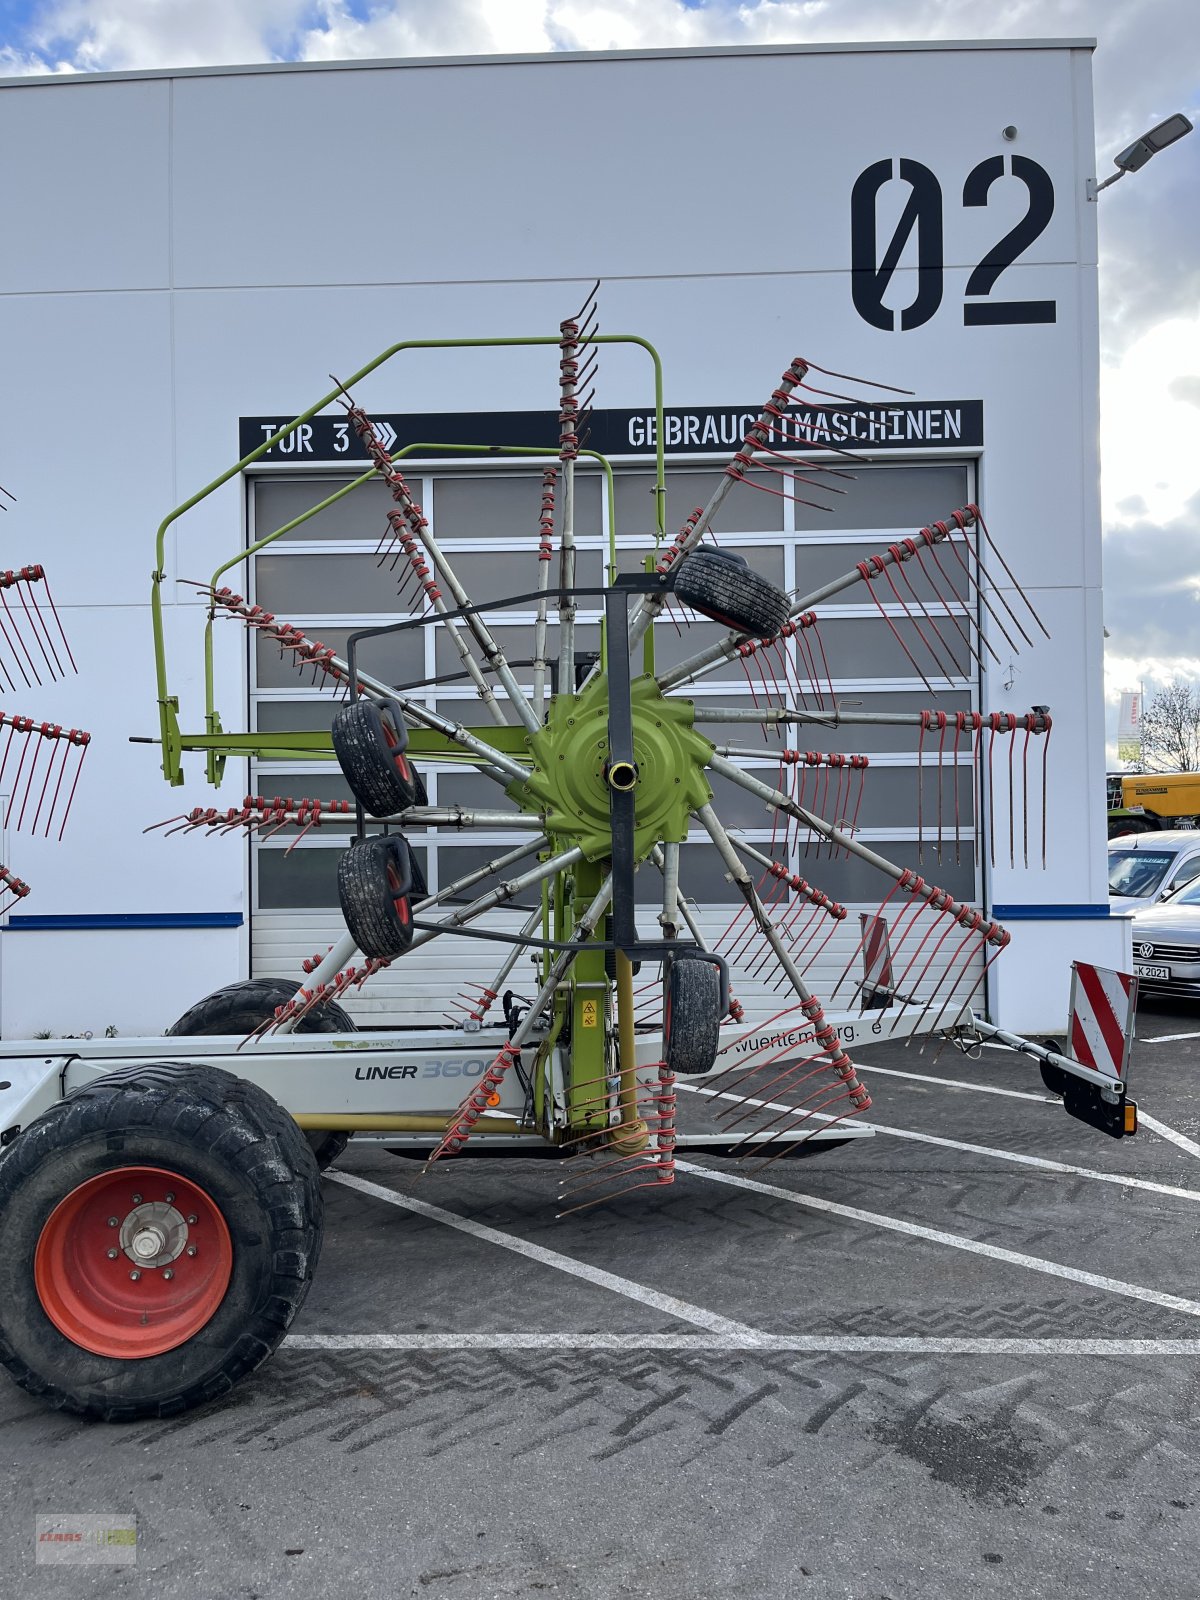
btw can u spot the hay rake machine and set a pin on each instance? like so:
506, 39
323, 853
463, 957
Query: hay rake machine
160, 1209
30, 641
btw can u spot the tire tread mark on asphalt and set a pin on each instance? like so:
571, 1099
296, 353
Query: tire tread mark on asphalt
739, 1409
821, 1416
628, 1425
1146, 1416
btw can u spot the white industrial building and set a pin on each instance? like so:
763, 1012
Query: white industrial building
188, 255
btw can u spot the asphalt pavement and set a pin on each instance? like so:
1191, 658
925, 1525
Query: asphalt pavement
958, 1358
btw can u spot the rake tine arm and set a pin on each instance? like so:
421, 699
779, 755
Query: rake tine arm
826, 1034
504, 768
706, 661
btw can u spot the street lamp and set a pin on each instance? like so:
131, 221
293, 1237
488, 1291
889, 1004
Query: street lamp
1135, 156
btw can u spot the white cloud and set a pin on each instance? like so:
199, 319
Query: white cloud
460, 27
120, 35
1149, 425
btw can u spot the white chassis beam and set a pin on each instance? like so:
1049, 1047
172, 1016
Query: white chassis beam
312, 1075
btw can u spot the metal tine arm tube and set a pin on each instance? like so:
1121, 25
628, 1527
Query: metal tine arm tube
650, 606
666, 859
464, 817
484, 637
410, 524
679, 907
826, 1034
545, 557
269, 816
507, 890
508, 769
828, 719
924, 538
495, 658
814, 896
345, 949
459, 1129
568, 451
705, 661
794, 758
492, 991
939, 899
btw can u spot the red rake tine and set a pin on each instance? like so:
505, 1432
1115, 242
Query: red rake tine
12, 728
58, 622
41, 797
52, 667
83, 750
38, 620
996, 551
12, 682
16, 634
16, 783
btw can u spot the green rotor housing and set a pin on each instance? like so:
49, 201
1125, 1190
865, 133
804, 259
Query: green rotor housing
570, 754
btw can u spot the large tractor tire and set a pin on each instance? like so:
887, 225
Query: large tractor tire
159, 1230
239, 1008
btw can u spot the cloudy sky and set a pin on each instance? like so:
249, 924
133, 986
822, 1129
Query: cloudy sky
1147, 66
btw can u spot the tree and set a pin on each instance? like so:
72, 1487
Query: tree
1171, 729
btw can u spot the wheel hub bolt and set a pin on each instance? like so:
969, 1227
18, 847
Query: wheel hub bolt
137, 1199
192, 1220
113, 1254
149, 1242
168, 1198
168, 1273
191, 1249
135, 1274
113, 1222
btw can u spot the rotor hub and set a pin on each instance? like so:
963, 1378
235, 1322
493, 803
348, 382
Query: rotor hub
573, 779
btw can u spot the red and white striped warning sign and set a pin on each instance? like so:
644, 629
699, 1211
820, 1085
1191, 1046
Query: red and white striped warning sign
1102, 1010
877, 961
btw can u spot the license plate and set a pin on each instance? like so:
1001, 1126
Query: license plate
1152, 972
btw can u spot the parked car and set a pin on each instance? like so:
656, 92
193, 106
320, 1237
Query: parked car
1166, 943
1143, 868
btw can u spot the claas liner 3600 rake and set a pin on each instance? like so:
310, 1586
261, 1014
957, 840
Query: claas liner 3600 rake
160, 1209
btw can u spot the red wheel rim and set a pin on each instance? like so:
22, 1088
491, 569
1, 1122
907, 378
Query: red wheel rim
400, 898
133, 1262
399, 760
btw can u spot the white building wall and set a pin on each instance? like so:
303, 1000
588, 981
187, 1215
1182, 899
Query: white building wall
181, 250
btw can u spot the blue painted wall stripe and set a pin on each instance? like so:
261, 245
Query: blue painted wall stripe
1062, 913
33, 923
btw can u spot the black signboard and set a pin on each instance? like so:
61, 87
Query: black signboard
701, 430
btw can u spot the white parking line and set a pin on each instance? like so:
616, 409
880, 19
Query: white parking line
1042, 1162
1144, 1117
786, 1343
1016, 1258
1181, 1139
666, 1303
957, 1083
1168, 1038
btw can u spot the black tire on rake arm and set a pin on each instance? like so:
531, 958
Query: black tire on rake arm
369, 740
691, 1015
239, 1008
375, 879
720, 585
